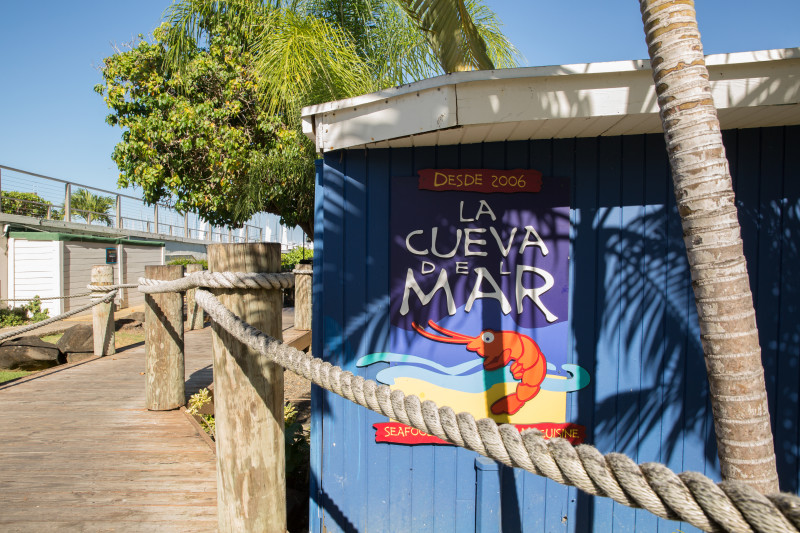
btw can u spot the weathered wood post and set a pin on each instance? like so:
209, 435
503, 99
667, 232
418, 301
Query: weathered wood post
68, 202
163, 343
302, 296
103, 314
118, 212
194, 313
248, 400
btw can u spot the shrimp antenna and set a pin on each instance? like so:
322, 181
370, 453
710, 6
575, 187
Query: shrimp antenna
447, 332
460, 339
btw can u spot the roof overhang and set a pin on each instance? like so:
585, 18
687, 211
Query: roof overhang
750, 89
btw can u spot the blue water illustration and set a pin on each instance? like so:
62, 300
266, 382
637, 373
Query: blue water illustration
464, 377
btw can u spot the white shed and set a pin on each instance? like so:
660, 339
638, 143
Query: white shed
51, 264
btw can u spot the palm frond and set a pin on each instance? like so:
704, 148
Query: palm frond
191, 21
502, 51
304, 60
398, 51
458, 32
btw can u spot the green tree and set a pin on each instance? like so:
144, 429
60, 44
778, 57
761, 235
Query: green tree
91, 207
312, 51
28, 204
199, 139
712, 234
211, 107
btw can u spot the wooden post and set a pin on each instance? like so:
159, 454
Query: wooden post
122, 295
248, 400
194, 313
68, 202
163, 343
302, 296
103, 314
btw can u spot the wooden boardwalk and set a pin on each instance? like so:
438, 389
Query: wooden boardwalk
78, 451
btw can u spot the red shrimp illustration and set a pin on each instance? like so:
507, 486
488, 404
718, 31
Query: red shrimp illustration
498, 348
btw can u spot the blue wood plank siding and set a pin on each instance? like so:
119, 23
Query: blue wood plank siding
633, 326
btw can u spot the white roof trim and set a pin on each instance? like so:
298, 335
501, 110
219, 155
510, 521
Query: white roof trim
613, 98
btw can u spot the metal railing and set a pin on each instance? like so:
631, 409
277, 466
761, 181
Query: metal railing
35, 195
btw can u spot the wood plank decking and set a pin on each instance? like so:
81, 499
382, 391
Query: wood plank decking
78, 451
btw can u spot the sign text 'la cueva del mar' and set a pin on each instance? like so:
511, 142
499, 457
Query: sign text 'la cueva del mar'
479, 298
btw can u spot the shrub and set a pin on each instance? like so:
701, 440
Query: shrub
196, 402
290, 259
16, 316
35, 309
28, 204
186, 261
297, 442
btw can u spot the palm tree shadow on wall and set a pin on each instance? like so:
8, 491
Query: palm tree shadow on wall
643, 322
645, 317
647, 304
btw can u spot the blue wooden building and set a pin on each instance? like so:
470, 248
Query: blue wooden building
629, 321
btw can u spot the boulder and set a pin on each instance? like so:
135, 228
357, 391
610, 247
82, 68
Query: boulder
78, 338
137, 316
29, 353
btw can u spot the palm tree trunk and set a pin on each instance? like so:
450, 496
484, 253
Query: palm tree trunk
713, 243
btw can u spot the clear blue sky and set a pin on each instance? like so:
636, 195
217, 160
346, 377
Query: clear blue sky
51, 121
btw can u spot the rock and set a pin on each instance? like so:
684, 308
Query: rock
77, 357
78, 338
137, 316
127, 323
29, 353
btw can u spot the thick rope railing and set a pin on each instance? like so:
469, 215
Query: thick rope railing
80, 295
215, 280
17, 332
689, 496
218, 280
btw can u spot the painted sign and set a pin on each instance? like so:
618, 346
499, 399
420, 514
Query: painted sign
398, 433
479, 295
480, 180
111, 256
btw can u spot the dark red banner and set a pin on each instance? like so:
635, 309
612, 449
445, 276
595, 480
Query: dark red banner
483, 180
398, 433
403, 434
572, 432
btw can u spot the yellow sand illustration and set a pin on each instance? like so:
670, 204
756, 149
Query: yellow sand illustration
547, 406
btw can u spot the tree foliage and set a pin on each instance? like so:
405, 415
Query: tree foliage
91, 207
198, 138
210, 107
290, 259
312, 51
28, 204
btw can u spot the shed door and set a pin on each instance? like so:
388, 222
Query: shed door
37, 272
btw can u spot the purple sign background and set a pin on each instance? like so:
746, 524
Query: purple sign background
415, 210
